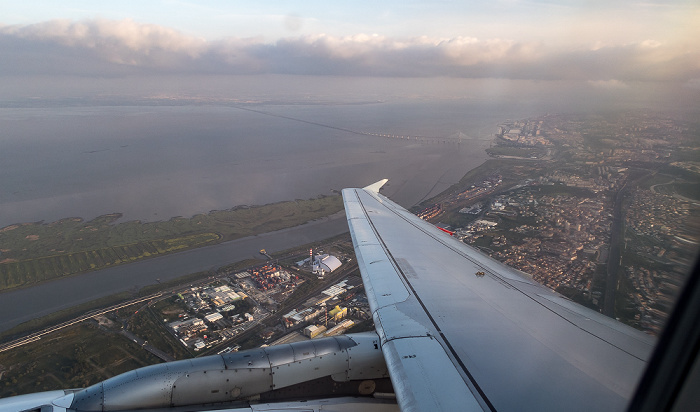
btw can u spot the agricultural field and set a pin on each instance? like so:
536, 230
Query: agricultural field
149, 326
25, 272
35, 252
76, 357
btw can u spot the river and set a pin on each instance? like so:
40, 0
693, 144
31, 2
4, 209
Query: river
22, 305
153, 163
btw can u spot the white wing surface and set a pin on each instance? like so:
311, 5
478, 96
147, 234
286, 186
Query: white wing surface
455, 340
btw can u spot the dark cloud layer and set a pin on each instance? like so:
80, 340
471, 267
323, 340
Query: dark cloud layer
116, 48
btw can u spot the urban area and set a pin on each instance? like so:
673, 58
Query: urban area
603, 209
568, 197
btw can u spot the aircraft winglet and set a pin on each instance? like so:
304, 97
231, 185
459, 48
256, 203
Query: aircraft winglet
374, 187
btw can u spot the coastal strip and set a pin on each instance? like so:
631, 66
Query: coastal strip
22, 305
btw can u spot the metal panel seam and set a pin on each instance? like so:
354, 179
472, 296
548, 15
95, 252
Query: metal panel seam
425, 309
495, 276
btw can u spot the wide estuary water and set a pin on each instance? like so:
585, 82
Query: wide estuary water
154, 162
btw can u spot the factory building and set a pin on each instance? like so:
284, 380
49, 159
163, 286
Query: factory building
188, 327
338, 313
325, 264
339, 328
222, 295
213, 317
306, 315
314, 330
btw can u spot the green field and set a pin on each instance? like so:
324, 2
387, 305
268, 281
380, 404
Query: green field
36, 252
77, 357
27, 272
148, 325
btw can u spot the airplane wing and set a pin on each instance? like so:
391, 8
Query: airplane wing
461, 331
456, 331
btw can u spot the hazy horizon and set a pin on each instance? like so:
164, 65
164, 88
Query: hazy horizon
81, 73
157, 162
436, 49
172, 149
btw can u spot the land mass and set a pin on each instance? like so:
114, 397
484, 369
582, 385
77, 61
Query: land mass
36, 252
601, 208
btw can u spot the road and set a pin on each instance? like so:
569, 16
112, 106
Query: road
614, 257
616, 239
22, 305
144, 344
38, 335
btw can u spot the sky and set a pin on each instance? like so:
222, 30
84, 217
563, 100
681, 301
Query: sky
602, 44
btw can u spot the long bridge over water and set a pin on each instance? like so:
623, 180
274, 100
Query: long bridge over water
455, 138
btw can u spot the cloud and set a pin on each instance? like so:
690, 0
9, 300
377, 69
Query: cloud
611, 84
115, 48
108, 35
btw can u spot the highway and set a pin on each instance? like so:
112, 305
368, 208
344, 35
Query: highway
38, 335
144, 344
616, 243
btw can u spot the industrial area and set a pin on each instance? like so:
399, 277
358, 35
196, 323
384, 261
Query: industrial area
214, 316
610, 224
601, 210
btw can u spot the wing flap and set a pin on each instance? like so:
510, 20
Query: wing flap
419, 371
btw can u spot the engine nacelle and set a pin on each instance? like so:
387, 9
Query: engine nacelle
235, 376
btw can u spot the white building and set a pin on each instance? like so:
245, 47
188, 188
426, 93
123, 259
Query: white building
325, 264
213, 317
194, 322
221, 295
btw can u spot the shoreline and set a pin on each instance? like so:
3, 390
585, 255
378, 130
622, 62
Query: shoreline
69, 247
248, 159
21, 305
18, 306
